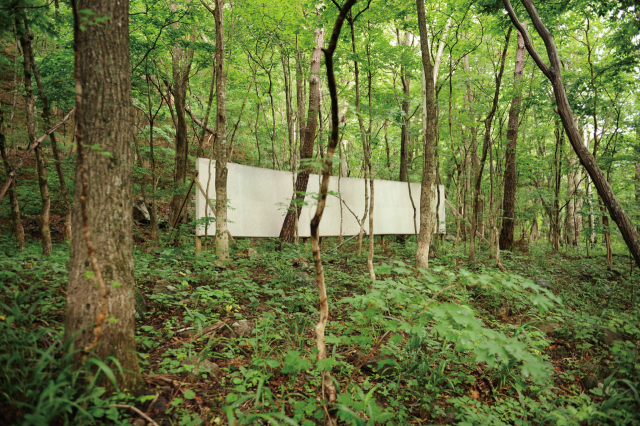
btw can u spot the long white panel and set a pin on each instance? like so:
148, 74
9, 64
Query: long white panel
258, 199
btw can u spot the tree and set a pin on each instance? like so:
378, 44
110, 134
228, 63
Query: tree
45, 215
554, 73
509, 199
308, 133
428, 135
222, 234
101, 318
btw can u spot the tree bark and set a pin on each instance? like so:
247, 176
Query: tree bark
45, 215
16, 218
428, 135
102, 211
46, 116
509, 198
222, 234
180, 73
308, 134
404, 133
553, 73
327, 384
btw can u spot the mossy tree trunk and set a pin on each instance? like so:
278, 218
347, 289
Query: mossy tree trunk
102, 214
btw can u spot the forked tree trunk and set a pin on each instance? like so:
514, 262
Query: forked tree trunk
308, 136
509, 199
553, 73
45, 215
101, 318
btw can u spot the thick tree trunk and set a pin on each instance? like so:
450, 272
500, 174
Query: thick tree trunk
46, 116
509, 199
222, 234
102, 211
308, 136
45, 215
16, 218
553, 73
429, 136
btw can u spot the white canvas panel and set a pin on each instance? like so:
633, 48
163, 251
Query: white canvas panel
258, 199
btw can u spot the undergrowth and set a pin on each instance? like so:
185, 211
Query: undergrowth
552, 341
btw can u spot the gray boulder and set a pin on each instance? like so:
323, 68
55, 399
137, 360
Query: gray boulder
201, 366
243, 327
140, 211
304, 278
164, 287
608, 336
543, 283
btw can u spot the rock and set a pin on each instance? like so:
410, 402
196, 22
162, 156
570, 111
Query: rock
141, 304
202, 366
301, 263
449, 418
504, 310
242, 328
304, 278
252, 253
139, 422
140, 211
543, 283
608, 336
164, 287
590, 382
548, 328
161, 405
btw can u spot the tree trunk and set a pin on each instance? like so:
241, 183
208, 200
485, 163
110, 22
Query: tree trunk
46, 116
308, 136
509, 199
554, 74
573, 220
102, 212
404, 134
180, 67
222, 234
25, 42
13, 194
329, 389
477, 202
428, 135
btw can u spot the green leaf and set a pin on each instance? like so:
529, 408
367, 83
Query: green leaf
189, 394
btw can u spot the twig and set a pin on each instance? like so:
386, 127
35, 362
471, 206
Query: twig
140, 413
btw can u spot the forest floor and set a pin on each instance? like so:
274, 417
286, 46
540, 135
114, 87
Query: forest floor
552, 341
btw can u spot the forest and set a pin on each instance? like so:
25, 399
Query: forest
113, 311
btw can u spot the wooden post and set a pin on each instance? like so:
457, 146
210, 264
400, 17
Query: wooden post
198, 244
